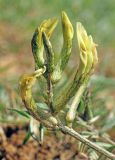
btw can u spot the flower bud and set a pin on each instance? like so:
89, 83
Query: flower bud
88, 53
48, 27
66, 49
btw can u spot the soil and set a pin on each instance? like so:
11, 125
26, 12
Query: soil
53, 148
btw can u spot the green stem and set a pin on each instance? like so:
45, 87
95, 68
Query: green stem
76, 135
50, 67
68, 93
50, 93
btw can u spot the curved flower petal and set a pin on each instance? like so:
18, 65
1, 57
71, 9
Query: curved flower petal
88, 52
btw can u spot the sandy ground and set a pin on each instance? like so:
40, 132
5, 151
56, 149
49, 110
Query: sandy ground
12, 147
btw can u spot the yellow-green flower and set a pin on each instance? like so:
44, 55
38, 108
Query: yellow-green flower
88, 60
88, 52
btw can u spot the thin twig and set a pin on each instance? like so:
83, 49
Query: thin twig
76, 135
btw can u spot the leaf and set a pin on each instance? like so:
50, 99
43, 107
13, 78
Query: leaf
81, 107
92, 154
22, 113
109, 147
109, 124
27, 137
104, 145
102, 81
43, 105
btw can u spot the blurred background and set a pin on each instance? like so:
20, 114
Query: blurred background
18, 21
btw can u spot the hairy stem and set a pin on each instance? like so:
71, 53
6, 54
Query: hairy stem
76, 135
50, 93
50, 67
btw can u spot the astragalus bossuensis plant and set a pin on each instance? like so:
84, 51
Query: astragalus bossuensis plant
62, 111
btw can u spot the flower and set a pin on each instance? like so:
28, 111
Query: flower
88, 52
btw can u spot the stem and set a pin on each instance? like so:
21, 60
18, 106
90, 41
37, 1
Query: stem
50, 67
76, 135
66, 94
50, 92
49, 53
